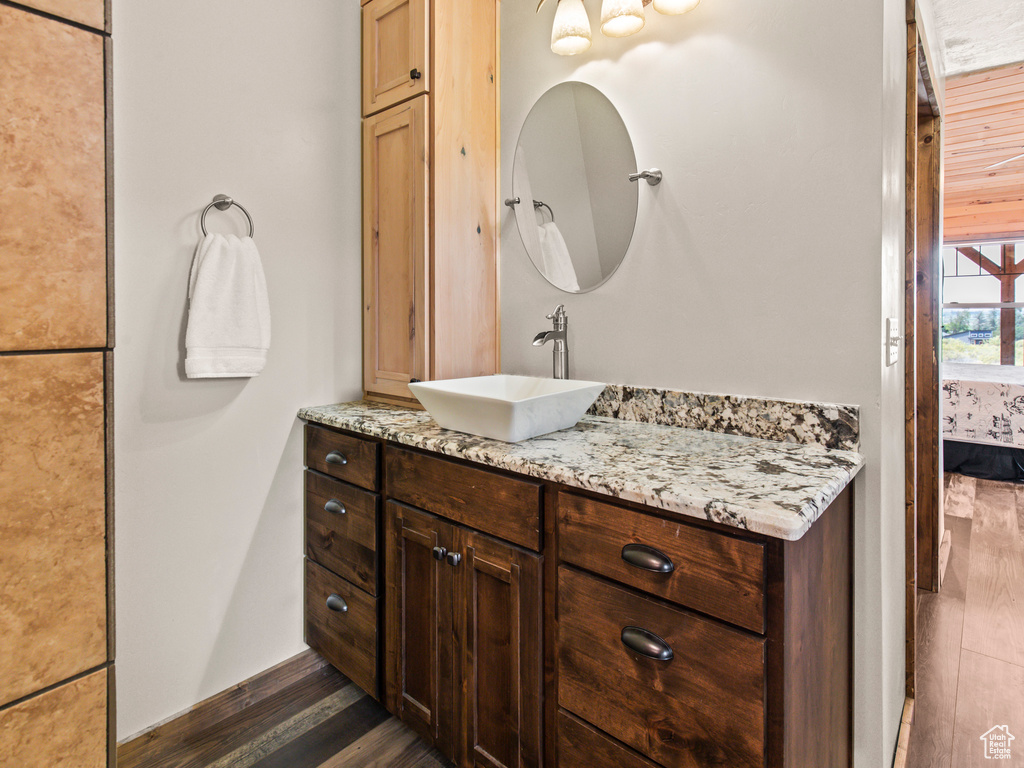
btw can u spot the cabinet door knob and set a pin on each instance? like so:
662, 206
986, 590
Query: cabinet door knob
454, 558
337, 604
336, 457
647, 558
415, 74
439, 553
646, 644
335, 507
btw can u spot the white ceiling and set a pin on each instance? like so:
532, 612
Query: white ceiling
980, 34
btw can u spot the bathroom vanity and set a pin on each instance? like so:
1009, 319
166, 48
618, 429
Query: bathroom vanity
616, 594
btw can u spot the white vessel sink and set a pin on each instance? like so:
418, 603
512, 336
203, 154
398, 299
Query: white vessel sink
509, 408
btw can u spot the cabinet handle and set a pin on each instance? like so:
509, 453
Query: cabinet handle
439, 553
336, 457
647, 558
646, 644
415, 74
337, 604
335, 507
454, 558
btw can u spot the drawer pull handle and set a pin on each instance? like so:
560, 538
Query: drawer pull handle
647, 558
439, 553
337, 604
335, 507
336, 457
646, 644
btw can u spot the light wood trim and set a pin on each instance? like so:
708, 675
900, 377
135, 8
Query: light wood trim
903, 739
412, 54
378, 195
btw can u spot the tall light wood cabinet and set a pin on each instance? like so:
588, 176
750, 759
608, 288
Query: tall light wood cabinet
430, 192
56, 638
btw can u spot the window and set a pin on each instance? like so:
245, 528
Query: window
982, 317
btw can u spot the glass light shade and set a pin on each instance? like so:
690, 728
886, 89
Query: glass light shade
620, 18
675, 7
570, 33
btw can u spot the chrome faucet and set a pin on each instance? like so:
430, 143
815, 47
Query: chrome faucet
560, 353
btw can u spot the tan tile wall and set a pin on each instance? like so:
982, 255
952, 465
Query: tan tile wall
52, 520
89, 12
52, 185
63, 727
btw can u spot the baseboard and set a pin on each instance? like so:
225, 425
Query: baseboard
903, 740
223, 705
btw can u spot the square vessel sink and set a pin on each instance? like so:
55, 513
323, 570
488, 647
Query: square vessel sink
509, 408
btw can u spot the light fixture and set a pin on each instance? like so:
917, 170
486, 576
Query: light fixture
675, 7
571, 31
620, 18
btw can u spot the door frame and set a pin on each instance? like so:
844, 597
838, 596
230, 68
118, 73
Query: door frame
922, 325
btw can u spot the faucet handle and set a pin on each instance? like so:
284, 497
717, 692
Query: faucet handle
557, 314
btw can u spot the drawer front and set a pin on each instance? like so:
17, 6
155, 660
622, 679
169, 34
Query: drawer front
581, 745
702, 707
341, 530
347, 638
347, 458
710, 572
489, 502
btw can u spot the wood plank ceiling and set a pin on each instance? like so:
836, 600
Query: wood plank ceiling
984, 156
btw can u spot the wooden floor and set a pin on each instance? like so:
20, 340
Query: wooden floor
321, 720
970, 662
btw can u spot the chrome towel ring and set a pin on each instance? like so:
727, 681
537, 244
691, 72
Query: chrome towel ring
222, 203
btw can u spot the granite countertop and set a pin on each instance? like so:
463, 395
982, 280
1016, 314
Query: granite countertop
774, 488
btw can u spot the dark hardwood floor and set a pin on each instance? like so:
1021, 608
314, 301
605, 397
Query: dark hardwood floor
317, 719
970, 657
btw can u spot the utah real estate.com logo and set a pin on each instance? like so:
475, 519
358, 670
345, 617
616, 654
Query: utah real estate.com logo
997, 742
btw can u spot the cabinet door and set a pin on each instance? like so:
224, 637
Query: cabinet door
498, 615
420, 689
395, 46
395, 277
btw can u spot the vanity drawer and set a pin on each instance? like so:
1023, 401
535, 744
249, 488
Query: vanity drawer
341, 529
345, 635
581, 745
489, 502
710, 572
703, 706
342, 456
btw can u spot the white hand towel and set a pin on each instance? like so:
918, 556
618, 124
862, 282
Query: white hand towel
558, 267
229, 314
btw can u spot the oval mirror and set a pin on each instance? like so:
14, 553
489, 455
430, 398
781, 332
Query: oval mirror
576, 207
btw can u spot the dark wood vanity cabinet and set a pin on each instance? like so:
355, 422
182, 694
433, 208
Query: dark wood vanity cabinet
463, 633
680, 645
342, 587
515, 623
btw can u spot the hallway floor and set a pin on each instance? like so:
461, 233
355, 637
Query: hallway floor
970, 653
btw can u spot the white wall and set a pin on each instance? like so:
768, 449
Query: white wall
766, 261
259, 100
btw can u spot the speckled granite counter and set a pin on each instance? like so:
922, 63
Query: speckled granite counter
775, 488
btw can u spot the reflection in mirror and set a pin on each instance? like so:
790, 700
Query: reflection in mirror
577, 207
